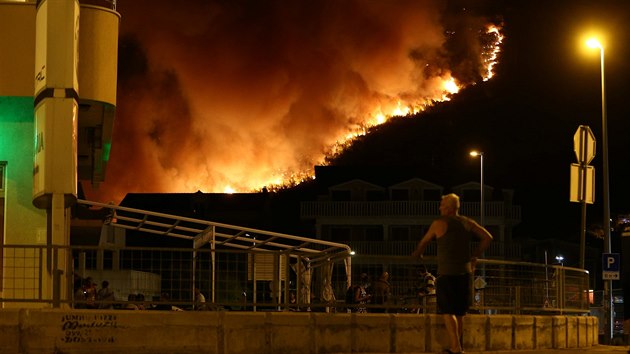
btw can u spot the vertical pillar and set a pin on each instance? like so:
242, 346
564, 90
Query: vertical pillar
56, 114
58, 238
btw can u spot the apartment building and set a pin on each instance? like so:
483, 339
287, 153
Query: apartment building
386, 211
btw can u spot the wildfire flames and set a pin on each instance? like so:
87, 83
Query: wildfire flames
491, 50
223, 98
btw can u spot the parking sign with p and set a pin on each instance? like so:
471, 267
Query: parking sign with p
610, 264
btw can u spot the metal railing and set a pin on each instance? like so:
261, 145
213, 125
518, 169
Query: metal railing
501, 287
245, 281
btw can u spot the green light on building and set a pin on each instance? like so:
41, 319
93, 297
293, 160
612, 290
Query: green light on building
16, 118
107, 147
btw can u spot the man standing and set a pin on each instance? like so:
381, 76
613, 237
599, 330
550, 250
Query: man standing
382, 291
105, 296
427, 282
453, 234
426, 291
361, 295
200, 300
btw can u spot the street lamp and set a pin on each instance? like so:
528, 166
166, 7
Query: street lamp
594, 43
560, 259
480, 154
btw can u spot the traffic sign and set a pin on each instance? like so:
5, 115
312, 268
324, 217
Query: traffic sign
584, 144
582, 186
611, 263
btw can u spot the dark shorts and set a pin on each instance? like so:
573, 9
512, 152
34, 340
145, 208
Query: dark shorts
454, 294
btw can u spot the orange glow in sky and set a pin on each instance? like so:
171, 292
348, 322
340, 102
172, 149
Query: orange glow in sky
223, 98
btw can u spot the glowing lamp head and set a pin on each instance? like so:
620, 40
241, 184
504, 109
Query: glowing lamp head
593, 43
476, 153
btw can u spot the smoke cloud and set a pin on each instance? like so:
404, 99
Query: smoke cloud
217, 94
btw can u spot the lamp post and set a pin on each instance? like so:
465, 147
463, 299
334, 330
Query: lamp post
594, 43
475, 153
480, 154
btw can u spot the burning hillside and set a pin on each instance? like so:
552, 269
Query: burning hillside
236, 95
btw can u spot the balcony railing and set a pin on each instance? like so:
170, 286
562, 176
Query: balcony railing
499, 250
310, 210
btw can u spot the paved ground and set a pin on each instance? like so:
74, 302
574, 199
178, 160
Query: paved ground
598, 349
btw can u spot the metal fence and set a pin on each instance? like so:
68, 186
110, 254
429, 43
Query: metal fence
256, 281
499, 286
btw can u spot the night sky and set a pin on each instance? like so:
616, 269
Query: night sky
547, 84
228, 93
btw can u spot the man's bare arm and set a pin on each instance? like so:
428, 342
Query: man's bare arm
428, 237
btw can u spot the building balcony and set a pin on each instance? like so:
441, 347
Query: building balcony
497, 250
500, 211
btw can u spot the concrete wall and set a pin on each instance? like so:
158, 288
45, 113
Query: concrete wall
109, 331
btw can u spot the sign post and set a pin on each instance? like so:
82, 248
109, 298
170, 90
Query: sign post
583, 178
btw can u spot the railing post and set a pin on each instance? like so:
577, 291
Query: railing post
275, 287
193, 275
287, 276
298, 281
56, 281
560, 289
42, 253
517, 300
254, 282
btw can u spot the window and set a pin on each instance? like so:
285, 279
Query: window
339, 234
374, 233
373, 196
432, 194
407, 233
400, 194
108, 259
399, 233
339, 196
471, 195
